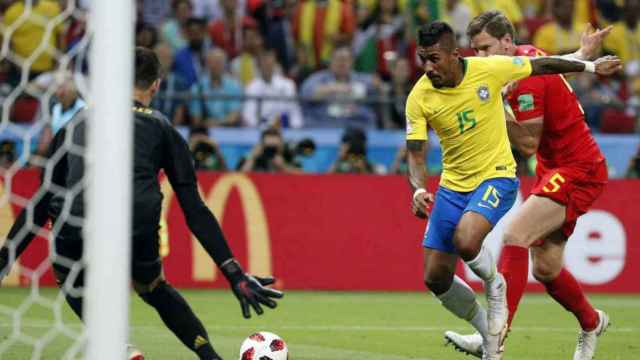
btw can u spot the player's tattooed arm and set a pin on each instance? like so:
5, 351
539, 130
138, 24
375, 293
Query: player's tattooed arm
544, 65
416, 153
421, 199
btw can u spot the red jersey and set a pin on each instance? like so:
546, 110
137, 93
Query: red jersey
566, 138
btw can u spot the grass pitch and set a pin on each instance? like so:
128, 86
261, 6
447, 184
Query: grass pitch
322, 326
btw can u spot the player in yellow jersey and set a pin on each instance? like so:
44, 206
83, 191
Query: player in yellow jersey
461, 100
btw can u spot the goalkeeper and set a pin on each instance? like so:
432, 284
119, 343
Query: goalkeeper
157, 145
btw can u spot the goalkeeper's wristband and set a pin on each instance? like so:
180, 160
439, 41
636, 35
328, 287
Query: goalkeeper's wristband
232, 270
418, 192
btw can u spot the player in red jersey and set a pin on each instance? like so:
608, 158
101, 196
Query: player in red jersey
571, 174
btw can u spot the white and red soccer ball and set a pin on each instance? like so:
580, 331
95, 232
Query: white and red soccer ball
264, 346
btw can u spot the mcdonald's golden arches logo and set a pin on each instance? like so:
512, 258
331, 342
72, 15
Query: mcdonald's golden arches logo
259, 243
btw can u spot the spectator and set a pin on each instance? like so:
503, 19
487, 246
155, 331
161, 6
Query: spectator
68, 102
352, 158
302, 67
173, 30
271, 113
7, 155
206, 153
633, 172
458, 14
322, 25
154, 12
609, 10
332, 94
212, 10
597, 96
146, 35
76, 29
270, 155
280, 35
380, 38
226, 31
245, 66
624, 39
561, 35
211, 105
31, 31
167, 100
189, 61
397, 92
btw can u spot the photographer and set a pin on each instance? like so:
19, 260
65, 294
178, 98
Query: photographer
270, 155
633, 172
206, 153
353, 154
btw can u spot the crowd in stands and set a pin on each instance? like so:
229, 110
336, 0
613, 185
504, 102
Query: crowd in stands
298, 63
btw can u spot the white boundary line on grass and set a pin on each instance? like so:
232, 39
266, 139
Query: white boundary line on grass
347, 328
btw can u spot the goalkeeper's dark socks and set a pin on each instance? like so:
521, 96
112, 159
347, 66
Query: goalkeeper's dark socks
76, 304
180, 319
206, 352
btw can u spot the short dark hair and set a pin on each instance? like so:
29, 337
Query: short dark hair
494, 23
147, 68
437, 32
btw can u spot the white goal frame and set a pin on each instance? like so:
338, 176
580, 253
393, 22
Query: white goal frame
109, 170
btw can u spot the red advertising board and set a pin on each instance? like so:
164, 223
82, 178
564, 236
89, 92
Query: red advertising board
352, 232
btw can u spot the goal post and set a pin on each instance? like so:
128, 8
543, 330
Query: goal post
109, 182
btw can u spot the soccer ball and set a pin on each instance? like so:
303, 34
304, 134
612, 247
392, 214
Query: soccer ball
264, 346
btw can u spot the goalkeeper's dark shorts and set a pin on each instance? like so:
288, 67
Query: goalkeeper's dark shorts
146, 265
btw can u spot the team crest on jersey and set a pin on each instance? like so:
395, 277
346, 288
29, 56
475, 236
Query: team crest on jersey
483, 93
525, 102
517, 60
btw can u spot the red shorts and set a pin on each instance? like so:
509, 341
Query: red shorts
576, 187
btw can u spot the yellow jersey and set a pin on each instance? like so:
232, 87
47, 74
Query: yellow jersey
469, 120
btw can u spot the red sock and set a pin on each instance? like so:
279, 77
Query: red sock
566, 290
515, 268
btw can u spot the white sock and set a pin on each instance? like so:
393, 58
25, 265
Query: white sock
479, 322
461, 301
483, 265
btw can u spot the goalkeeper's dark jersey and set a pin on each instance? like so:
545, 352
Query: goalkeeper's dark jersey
157, 146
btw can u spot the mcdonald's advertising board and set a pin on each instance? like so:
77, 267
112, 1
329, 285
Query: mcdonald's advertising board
348, 232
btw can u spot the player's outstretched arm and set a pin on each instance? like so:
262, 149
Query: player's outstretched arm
421, 199
544, 65
36, 213
22, 232
249, 290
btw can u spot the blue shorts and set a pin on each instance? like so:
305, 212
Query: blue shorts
492, 199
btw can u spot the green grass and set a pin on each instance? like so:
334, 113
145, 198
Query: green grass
331, 326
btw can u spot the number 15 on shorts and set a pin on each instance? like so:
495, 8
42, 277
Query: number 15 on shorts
491, 197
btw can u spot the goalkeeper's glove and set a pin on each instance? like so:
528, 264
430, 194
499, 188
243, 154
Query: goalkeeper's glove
250, 290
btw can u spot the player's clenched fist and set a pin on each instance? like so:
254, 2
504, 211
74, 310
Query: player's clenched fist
249, 289
421, 204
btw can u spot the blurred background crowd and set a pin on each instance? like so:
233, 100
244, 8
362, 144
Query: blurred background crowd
297, 85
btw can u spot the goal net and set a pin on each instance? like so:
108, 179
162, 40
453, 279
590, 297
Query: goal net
57, 58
